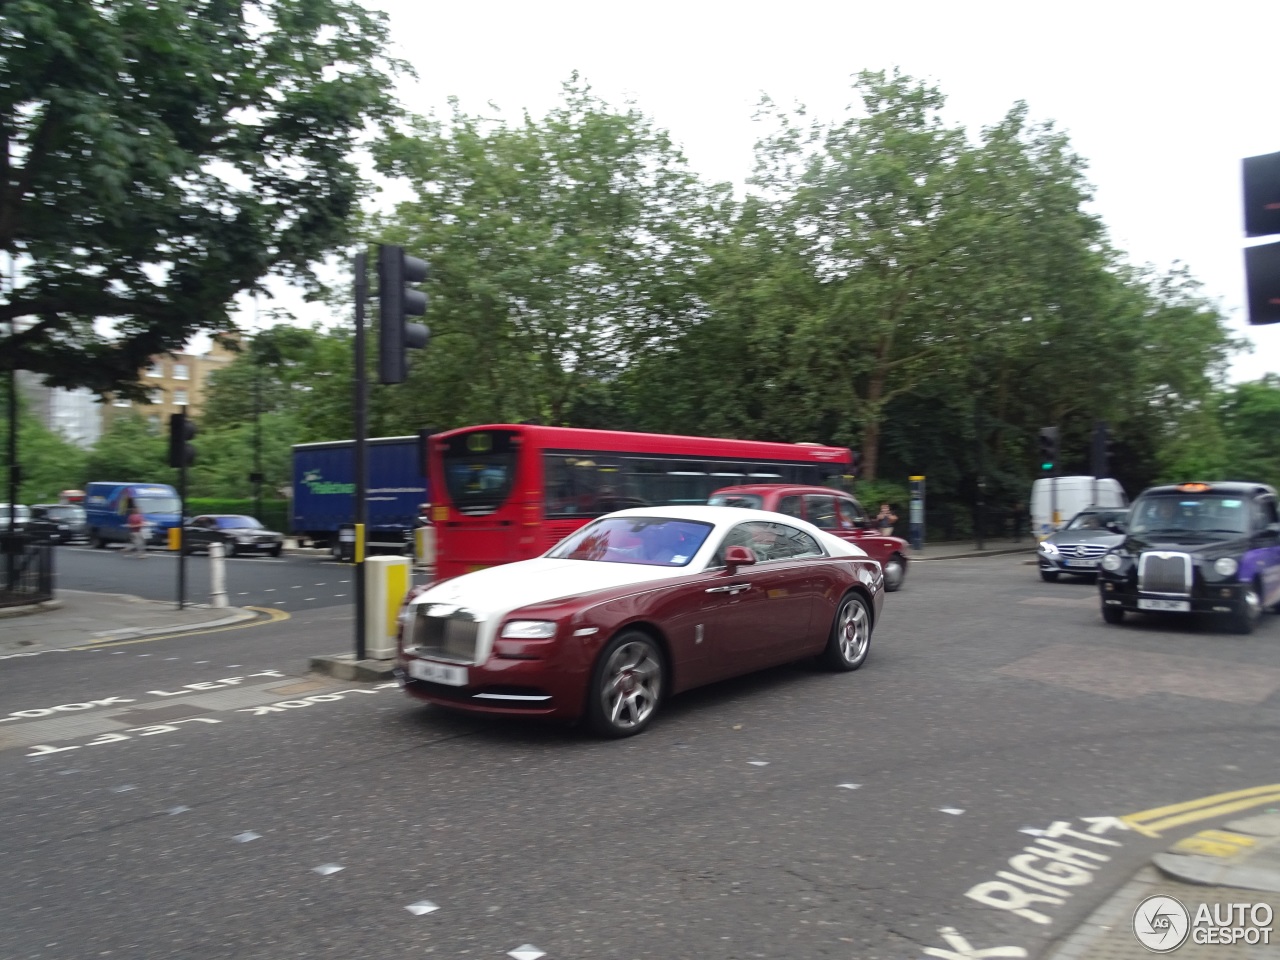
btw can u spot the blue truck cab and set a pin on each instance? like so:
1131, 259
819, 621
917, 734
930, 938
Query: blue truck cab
107, 506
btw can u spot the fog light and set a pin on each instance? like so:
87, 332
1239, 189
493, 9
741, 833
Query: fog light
1224, 592
1108, 587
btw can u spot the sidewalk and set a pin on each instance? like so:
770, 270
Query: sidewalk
76, 618
963, 549
1237, 863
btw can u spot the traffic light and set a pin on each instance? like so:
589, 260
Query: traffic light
1101, 449
182, 452
855, 464
397, 299
1261, 219
1048, 448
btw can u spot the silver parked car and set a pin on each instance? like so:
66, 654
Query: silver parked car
1078, 547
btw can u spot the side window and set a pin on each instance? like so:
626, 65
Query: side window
848, 514
790, 542
739, 536
820, 510
790, 506
1265, 513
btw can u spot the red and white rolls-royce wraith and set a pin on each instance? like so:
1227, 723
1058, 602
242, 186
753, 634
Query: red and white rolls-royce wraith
636, 606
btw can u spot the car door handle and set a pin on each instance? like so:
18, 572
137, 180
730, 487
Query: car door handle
729, 589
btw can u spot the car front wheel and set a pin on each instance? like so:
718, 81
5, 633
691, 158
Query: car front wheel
1112, 614
1246, 618
850, 639
1049, 576
627, 685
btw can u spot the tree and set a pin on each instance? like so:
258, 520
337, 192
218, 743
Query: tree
162, 156
130, 450
50, 462
561, 249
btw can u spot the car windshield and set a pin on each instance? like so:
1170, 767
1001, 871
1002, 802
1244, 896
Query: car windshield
1180, 513
1096, 519
70, 513
752, 501
237, 523
159, 504
656, 541
21, 514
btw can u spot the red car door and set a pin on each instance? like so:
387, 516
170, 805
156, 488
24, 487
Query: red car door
761, 613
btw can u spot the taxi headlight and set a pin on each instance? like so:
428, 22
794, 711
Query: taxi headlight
1112, 562
1048, 549
1225, 566
528, 630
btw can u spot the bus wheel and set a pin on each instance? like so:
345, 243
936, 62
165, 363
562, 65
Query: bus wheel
626, 685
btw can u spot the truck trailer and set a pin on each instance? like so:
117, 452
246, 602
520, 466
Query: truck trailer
324, 486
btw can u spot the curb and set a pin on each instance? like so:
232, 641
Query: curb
131, 633
345, 666
29, 609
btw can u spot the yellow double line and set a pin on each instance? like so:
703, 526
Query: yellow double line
1153, 822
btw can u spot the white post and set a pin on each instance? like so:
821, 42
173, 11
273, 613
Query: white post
217, 576
386, 583
425, 546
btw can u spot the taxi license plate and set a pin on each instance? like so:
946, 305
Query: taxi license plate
1179, 606
438, 673
1082, 563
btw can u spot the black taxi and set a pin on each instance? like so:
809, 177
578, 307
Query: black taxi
1197, 548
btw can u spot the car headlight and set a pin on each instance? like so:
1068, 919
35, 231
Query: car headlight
1225, 566
1112, 562
528, 630
1048, 549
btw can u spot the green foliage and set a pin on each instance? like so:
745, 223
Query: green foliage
50, 463
165, 156
130, 450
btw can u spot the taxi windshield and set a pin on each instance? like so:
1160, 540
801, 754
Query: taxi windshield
657, 541
1194, 514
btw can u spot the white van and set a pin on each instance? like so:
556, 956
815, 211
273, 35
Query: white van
1055, 500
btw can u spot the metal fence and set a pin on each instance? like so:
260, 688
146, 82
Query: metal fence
26, 571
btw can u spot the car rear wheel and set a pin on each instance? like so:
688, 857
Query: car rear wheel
850, 639
895, 571
1049, 576
627, 685
1246, 618
96, 541
1112, 614
277, 550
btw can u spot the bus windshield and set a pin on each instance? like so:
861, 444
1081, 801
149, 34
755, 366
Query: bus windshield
479, 469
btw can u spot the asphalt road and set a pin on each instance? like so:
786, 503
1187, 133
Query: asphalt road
289, 583
996, 729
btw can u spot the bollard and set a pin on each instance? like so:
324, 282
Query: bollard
425, 546
387, 581
217, 575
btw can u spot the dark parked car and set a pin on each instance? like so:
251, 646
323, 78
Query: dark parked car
1197, 548
833, 511
239, 534
1078, 547
57, 523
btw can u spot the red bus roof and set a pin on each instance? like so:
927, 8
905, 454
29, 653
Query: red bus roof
576, 438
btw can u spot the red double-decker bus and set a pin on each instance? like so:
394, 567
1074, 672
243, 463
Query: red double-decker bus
504, 492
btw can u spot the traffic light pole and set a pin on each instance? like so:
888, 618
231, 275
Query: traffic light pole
182, 534
361, 416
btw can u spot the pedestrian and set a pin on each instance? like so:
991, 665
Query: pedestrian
137, 532
885, 519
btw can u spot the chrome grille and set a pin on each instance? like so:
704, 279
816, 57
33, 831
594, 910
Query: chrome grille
451, 637
1079, 551
1168, 573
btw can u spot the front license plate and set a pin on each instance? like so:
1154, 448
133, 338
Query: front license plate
1082, 563
1179, 606
438, 673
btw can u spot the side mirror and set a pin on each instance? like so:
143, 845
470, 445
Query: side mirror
736, 557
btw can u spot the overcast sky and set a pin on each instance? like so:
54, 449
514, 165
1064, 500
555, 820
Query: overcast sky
1162, 99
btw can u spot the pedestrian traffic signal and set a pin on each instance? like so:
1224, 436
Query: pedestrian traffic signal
855, 464
397, 299
1048, 448
182, 452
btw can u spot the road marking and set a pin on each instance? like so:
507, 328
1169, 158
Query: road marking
272, 616
1152, 822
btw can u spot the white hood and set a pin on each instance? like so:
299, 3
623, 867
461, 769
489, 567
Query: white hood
493, 593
